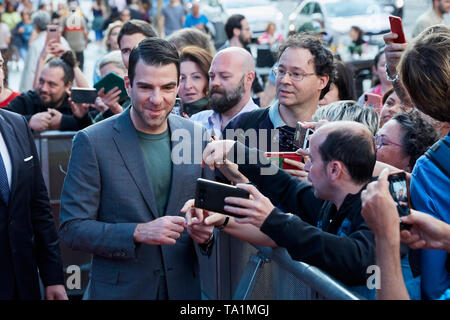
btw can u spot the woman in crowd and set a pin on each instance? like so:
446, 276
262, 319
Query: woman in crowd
269, 36
403, 139
356, 34
391, 106
22, 32
342, 88
110, 40
380, 85
99, 13
194, 83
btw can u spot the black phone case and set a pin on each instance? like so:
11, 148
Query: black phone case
83, 96
210, 195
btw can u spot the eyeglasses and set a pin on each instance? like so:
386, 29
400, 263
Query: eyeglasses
295, 76
381, 140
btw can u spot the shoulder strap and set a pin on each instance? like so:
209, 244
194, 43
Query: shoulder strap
439, 154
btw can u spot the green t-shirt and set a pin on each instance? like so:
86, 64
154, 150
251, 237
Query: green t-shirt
158, 165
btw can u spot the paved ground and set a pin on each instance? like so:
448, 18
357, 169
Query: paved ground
413, 8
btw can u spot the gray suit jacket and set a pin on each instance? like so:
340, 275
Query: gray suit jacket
106, 194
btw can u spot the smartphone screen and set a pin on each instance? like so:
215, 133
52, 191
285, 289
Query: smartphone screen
398, 188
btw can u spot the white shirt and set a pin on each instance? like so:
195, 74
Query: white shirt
6, 159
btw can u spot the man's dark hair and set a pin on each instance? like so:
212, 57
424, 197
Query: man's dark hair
419, 135
344, 81
154, 52
323, 58
66, 62
232, 23
136, 26
354, 149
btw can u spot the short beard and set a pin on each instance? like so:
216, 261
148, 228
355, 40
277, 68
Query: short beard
227, 100
243, 41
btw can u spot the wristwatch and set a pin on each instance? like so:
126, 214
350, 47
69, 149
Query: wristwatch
224, 224
388, 78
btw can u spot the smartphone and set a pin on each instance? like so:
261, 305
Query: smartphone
210, 195
110, 81
83, 95
278, 159
397, 27
373, 101
399, 189
177, 107
301, 136
53, 33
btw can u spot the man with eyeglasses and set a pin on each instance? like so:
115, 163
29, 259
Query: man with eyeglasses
305, 68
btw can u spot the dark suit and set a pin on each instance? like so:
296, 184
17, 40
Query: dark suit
106, 194
28, 238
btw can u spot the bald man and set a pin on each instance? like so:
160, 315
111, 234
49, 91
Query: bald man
231, 76
324, 226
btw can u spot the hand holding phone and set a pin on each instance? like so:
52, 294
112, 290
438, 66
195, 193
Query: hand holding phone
399, 189
301, 138
210, 195
397, 27
53, 33
373, 101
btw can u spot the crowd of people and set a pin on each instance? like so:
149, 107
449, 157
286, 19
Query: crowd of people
186, 110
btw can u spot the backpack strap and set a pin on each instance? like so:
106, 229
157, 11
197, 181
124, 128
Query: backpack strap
439, 154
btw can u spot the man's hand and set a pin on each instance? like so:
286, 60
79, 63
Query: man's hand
164, 230
199, 231
215, 153
426, 232
393, 51
111, 99
79, 110
214, 156
300, 172
56, 292
256, 209
379, 209
40, 121
194, 215
55, 121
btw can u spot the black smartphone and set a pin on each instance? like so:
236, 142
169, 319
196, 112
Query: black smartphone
399, 189
301, 136
83, 95
210, 195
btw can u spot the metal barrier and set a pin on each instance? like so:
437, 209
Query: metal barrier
235, 269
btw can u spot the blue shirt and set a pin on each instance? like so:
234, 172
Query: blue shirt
212, 120
429, 194
192, 21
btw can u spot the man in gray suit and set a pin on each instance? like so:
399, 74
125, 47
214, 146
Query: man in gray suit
126, 184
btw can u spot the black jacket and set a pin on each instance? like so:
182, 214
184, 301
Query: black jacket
29, 103
28, 238
336, 241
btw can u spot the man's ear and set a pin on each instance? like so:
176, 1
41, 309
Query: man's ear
323, 81
68, 86
250, 77
127, 84
236, 32
335, 170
